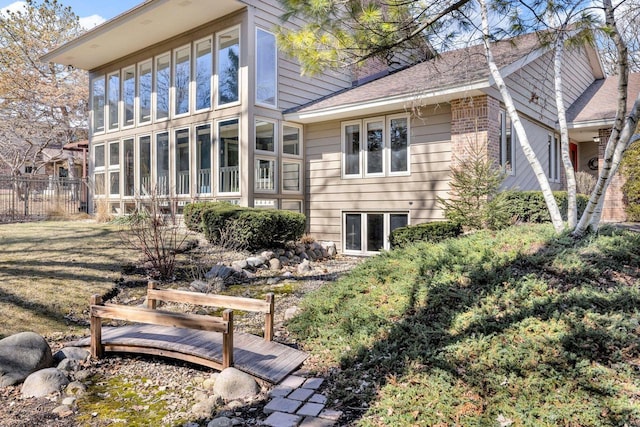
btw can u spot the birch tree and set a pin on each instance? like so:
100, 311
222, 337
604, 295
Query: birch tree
41, 105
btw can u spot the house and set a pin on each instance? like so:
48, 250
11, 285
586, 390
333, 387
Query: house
195, 102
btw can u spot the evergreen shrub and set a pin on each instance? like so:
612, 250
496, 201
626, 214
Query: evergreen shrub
428, 231
529, 206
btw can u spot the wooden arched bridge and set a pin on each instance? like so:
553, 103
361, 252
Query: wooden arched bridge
200, 339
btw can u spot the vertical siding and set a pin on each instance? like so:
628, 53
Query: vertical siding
328, 194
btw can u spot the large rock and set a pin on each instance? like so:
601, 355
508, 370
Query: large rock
20, 355
233, 384
72, 353
44, 382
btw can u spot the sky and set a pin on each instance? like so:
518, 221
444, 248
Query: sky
91, 12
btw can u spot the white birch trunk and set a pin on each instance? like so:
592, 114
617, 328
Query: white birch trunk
572, 209
554, 212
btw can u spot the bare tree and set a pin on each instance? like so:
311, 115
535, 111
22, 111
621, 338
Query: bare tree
41, 105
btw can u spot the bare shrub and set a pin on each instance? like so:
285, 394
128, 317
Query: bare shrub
103, 213
585, 182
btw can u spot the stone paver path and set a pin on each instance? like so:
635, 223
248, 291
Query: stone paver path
297, 402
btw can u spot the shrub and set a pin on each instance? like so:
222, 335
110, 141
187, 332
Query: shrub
529, 206
193, 213
428, 231
631, 188
585, 182
216, 217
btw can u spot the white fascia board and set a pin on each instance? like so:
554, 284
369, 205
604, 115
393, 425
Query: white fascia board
600, 123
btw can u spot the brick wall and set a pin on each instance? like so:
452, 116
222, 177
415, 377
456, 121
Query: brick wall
613, 209
474, 123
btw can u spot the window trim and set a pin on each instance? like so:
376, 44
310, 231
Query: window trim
365, 140
102, 130
212, 158
554, 172
218, 147
216, 85
173, 88
272, 159
274, 123
195, 72
300, 176
407, 117
363, 229
275, 71
343, 127
300, 139
504, 116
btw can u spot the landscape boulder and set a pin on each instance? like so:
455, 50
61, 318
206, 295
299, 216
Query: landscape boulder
44, 382
20, 355
233, 384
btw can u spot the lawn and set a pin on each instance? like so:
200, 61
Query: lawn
49, 270
519, 327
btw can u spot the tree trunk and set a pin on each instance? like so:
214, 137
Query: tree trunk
554, 212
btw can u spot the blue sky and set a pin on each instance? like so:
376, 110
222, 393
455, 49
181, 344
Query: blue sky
91, 12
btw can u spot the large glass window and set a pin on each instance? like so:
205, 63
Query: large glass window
375, 147
265, 173
368, 232
99, 163
265, 136
128, 168
351, 149
228, 159
203, 153
507, 143
144, 147
399, 145
98, 157
128, 95
113, 86
291, 140
266, 71
163, 86
182, 80
144, 92
162, 163
228, 67
182, 162
97, 103
203, 73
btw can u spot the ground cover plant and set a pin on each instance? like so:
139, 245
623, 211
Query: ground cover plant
49, 270
517, 327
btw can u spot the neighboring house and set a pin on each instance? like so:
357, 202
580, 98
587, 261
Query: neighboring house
195, 103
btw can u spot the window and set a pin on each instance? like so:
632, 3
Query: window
265, 173
266, 68
114, 168
228, 67
99, 163
203, 154
162, 163
291, 205
369, 232
265, 204
507, 144
383, 149
182, 80
265, 136
97, 103
128, 168
229, 158
98, 157
182, 162
113, 88
144, 92
128, 96
554, 157
291, 176
203, 72
144, 149
291, 140
163, 86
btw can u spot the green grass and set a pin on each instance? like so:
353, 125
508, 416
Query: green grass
49, 270
518, 325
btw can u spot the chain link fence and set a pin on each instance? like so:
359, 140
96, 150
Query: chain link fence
35, 198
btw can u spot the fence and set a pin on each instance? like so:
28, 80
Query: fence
33, 198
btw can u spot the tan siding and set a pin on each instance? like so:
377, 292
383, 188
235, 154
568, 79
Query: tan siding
329, 195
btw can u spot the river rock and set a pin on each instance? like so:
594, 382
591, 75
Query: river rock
233, 384
20, 355
44, 382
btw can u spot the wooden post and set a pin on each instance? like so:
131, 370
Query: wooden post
268, 318
227, 340
151, 303
97, 349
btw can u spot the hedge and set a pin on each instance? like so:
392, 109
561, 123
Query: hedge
529, 206
428, 231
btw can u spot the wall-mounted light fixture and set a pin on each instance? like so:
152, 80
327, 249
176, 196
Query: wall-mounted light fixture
596, 139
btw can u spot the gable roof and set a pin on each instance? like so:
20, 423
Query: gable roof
462, 71
597, 105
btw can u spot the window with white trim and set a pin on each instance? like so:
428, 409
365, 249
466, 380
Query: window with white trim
553, 143
162, 86
507, 143
128, 96
162, 164
228, 77
145, 88
114, 168
144, 164
181, 80
291, 140
99, 166
183, 170
376, 147
113, 90
265, 174
203, 159
203, 73
128, 167
266, 68
98, 93
229, 156
368, 232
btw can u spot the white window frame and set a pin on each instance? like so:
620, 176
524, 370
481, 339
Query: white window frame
174, 74
274, 124
154, 163
217, 144
217, 104
123, 123
149, 118
155, 88
275, 70
365, 141
135, 165
195, 73
174, 147
389, 151
150, 184
300, 176
101, 170
108, 102
212, 159
504, 161
114, 168
363, 230
274, 179
343, 127
103, 129
300, 139
553, 142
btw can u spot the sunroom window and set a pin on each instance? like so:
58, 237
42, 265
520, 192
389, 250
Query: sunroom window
265, 174
113, 88
203, 154
182, 80
114, 168
162, 163
99, 164
144, 92
144, 165
229, 157
203, 73
163, 86
128, 95
228, 67
266, 71
182, 162
98, 90
128, 168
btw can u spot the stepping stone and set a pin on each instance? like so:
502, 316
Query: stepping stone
313, 383
317, 422
310, 409
282, 404
301, 394
278, 419
292, 381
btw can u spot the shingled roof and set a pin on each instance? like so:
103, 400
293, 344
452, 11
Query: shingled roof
454, 71
597, 105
